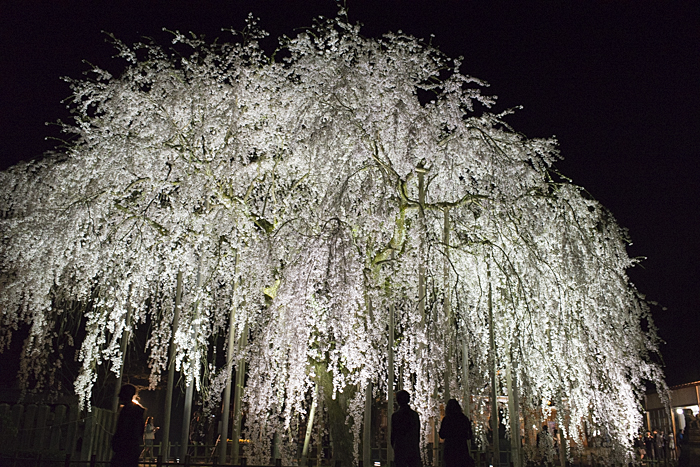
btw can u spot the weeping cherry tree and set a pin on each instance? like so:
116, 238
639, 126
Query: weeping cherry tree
300, 198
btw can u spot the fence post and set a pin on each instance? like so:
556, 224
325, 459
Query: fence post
16, 415
98, 433
4, 410
66, 462
93, 460
42, 415
26, 432
56, 428
72, 429
107, 423
86, 449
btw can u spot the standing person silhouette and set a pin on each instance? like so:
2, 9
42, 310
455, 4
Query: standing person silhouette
126, 441
405, 433
456, 430
149, 436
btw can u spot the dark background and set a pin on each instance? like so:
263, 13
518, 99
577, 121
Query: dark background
617, 82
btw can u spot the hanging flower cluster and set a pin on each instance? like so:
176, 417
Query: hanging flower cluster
310, 192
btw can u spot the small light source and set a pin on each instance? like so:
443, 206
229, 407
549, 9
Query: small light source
377, 464
679, 411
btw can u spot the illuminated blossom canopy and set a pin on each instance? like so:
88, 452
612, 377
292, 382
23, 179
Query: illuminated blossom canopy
309, 192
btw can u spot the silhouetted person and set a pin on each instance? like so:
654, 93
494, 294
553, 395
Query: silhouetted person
683, 457
545, 444
405, 433
456, 430
660, 444
639, 446
149, 437
649, 445
126, 442
542, 437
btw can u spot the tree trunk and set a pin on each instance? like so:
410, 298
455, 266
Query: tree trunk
340, 435
514, 412
492, 369
223, 438
238, 395
123, 348
447, 310
171, 370
189, 392
367, 427
390, 388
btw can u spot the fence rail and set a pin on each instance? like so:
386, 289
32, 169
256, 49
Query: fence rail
58, 430
38, 461
62, 436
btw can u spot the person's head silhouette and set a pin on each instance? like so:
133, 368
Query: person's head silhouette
453, 407
403, 398
127, 393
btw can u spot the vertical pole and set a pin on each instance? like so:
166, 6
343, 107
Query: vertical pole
421, 260
367, 422
237, 396
275, 448
189, 392
367, 427
123, 349
675, 433
421, 264
560, 433
562, 448
309, 429
514, 412
171, 370
223, 439
447, 310
467, 396
390, 389
186, 419
436, 441
322, 429
492, 369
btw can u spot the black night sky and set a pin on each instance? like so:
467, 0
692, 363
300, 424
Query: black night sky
617, 82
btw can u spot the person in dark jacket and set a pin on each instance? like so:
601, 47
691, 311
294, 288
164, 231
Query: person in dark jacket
126, 441
405, 433
456, 430
649, 445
